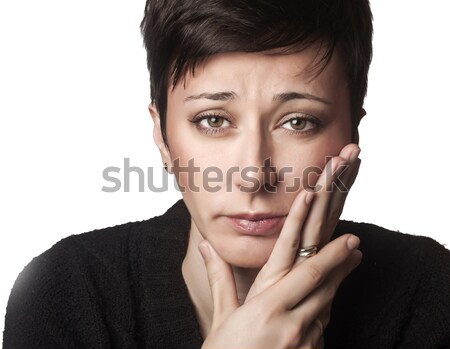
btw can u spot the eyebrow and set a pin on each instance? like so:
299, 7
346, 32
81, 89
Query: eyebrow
218, 96
281, 97
289, 96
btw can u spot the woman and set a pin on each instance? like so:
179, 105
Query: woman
256, 108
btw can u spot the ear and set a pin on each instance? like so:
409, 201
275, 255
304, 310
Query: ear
157, 136
355, 138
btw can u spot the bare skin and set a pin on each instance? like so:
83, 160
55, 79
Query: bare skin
309, 300
243, 275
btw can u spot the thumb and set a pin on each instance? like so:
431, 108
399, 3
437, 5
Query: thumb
221, 282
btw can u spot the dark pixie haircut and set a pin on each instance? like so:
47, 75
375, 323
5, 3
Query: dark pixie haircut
181, 34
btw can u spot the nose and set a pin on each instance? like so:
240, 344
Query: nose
255, 162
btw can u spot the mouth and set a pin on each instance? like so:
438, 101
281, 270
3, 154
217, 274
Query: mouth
256, 224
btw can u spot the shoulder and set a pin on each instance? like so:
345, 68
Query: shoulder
57, 293
401, 289
64, 294
396, 258
110, 247
383, 247
98, 247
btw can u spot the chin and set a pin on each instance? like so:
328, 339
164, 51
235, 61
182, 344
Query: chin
249, 264
246, 257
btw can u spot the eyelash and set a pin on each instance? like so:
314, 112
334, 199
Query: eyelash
209, 130
214, 130
316, 122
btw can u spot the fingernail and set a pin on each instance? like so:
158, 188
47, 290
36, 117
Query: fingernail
335, 166
355, 154
309, 196
205, 250
352, 242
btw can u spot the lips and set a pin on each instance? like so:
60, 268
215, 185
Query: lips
256, 224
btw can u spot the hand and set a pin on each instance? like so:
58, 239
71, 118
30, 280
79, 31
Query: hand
327, 207
283, 315
311, 226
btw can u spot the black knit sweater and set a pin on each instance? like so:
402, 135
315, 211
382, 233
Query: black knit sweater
122, 287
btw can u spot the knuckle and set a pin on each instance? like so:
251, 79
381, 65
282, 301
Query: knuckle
295, 243
330, 291
214, 277
315, 272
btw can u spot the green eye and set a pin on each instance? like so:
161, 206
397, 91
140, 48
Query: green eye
214, 121
298, 124
304, 124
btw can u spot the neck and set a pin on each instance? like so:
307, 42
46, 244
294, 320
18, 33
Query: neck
244, 278
196, 279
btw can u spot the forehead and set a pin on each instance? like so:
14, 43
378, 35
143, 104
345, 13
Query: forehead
259, 74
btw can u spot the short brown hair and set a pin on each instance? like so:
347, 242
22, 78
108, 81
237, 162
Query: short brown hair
179, 35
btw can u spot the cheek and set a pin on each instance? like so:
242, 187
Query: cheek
299, 169
304, 163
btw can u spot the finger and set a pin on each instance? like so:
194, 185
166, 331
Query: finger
316, 224
311, 308
286, 247
344, 183
313, 313
285, 250
307, 276
349, 151
347, 177
221, 282
320, 226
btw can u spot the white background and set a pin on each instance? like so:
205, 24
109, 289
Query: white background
73, 100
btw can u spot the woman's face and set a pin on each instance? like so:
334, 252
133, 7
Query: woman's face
243, 133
